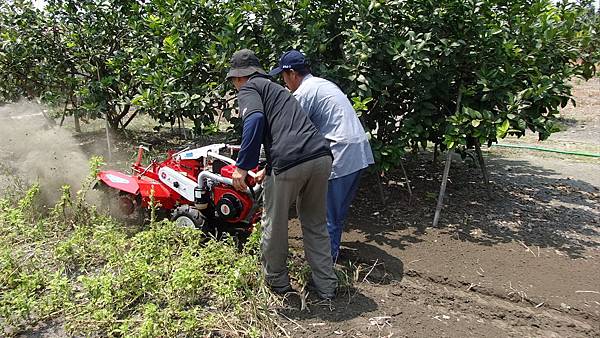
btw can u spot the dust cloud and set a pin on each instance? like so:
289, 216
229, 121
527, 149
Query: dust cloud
34, 152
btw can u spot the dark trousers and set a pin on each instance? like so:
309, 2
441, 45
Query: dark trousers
340, 194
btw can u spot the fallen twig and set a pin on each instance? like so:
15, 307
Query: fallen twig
472, 285
480, 273
380, 321
587, 291
373, 267
520, 293
528, 249
293, 321
282, 329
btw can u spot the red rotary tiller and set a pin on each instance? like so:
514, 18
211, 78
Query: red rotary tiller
193, 186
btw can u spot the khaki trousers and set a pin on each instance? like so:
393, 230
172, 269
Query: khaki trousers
306, 184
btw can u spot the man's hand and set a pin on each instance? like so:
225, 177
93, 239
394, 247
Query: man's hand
239, 179
260, 176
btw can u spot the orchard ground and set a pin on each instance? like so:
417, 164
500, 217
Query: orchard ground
524, 263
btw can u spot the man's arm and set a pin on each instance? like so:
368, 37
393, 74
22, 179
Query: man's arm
252, 137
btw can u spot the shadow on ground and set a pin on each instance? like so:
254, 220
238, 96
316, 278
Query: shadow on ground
353, 304
530, 204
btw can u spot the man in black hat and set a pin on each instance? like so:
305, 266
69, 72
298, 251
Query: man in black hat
298, 166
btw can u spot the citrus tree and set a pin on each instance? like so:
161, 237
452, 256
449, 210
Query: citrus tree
27, 66
404, 63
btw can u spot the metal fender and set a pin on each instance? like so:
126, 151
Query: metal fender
160, 192
119, 181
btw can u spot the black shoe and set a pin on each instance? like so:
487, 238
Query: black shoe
282, 290
310, 286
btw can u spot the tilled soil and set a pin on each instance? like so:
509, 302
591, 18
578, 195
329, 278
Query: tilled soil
523, 263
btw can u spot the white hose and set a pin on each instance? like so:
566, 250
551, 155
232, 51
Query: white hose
207, 174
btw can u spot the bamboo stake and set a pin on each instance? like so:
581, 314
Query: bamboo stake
381, 193
486, 180
440, 202
76, 121
108, 140
410, 195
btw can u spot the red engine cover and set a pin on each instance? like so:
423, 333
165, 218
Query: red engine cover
189, 168
220, 190
227, 171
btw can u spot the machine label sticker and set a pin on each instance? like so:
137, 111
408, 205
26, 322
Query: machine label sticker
117, 179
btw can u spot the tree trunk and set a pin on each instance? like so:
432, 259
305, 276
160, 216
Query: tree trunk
76, 120
130, 118
113, 123
112, 119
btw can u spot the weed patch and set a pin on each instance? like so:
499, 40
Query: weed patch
73, 263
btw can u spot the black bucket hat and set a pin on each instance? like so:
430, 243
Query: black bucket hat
244, 63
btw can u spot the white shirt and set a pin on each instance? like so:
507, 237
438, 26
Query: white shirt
332, 114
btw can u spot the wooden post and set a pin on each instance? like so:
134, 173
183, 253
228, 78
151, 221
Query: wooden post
407, 183
62, 120
77, 124
108, 140
440, 202
380, 185
486, 180
179, 126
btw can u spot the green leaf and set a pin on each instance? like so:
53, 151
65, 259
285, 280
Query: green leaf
502, 129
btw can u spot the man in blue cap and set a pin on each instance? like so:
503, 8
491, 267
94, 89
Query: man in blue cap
332, 113
298, 166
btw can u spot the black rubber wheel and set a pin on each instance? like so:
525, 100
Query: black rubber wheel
187, 216
241, 238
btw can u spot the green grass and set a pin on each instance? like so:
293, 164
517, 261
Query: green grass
72, 264
75, 264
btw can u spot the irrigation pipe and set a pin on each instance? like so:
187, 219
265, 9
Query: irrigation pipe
577, 153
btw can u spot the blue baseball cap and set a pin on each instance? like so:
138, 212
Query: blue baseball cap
291, 59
